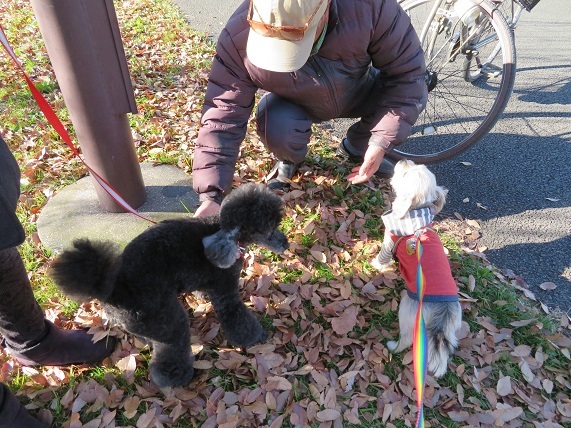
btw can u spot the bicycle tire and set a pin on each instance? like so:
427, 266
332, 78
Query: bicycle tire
459, 112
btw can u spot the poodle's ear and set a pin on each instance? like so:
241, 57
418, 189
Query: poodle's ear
402, 204
441, 193
221, 248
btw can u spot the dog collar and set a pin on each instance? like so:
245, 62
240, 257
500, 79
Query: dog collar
410, 223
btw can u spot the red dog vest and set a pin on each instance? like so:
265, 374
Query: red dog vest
440, 285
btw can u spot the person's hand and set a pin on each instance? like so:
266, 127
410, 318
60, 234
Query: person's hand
207, 208
373, 158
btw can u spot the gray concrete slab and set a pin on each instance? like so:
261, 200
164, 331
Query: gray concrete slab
74, 212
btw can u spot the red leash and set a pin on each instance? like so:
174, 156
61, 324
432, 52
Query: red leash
58, 126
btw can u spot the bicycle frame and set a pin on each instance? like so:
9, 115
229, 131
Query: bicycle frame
511, 10
463, 43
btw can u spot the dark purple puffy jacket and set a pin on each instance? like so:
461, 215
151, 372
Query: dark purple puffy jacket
336, 80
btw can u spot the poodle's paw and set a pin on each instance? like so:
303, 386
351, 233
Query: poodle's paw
250, 334
261, 337
257, 333
169, 373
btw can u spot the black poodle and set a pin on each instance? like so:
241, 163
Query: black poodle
139, 287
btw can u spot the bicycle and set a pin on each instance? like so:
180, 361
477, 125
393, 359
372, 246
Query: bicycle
471, 64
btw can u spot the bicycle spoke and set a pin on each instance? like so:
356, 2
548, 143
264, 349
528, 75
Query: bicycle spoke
470, 68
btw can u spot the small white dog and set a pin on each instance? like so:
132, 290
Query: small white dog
418, 199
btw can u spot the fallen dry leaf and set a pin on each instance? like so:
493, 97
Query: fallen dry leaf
328, 415
547, 286
279, 383
523, 323
344, 323
504, 386
130, 406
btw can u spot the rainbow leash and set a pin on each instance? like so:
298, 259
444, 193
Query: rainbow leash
420, 343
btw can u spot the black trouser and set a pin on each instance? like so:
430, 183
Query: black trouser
285, 129
21, 318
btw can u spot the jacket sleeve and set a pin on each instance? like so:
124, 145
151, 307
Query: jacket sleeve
396, 52
228, 103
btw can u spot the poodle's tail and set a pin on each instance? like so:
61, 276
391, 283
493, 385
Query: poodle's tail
86, 271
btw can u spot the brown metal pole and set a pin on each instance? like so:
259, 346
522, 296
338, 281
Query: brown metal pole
85, 48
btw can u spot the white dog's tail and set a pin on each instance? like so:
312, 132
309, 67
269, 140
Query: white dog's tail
440, 350
86, 272
443, 320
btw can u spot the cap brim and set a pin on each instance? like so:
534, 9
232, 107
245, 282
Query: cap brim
279, 55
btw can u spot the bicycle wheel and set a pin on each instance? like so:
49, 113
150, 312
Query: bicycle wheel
465, 98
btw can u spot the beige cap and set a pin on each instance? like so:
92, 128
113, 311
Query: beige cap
277, 54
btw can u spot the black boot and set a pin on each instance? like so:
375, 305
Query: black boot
386, 168
31, 339
13, 414
281, 175
63, 347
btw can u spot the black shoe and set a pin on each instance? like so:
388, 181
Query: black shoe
281, 175
386, 169
345, 154
64, 347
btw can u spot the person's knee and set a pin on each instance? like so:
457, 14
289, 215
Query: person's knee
284, 128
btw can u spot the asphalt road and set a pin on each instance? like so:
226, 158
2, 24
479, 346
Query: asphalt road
521, 171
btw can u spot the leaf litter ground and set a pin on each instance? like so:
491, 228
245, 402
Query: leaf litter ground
328, 312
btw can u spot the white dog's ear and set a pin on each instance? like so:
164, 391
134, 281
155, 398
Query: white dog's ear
402, 204
402, 165
221, 248
441, 193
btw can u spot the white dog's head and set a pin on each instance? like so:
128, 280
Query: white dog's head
415, 187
